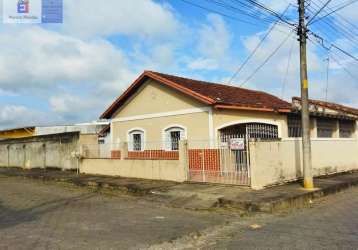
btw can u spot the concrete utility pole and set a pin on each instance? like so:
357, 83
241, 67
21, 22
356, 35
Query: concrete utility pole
306, 140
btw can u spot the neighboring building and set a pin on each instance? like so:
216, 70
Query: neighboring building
17, 133
88, 131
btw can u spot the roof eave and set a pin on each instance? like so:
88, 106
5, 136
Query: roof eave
114, 106
280, 110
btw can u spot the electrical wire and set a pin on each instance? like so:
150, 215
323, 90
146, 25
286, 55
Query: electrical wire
256, 48
327, 78
319, 11
284, 81
266, 60
334, 11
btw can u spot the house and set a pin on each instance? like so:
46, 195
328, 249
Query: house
160, 107
175, 128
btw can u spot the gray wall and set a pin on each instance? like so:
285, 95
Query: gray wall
40, 151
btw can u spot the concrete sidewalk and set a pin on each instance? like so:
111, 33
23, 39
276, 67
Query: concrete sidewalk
201, 196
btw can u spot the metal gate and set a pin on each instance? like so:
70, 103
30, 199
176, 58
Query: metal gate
227, 160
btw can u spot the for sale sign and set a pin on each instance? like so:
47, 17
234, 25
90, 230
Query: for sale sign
237, 143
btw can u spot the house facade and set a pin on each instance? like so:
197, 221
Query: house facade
218, 123
165, 108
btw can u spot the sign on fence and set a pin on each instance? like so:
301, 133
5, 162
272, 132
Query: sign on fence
237, 143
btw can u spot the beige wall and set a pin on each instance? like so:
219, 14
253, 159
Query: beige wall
226, 117
170, 170
196, 126
155, 98
88, 139
277, 162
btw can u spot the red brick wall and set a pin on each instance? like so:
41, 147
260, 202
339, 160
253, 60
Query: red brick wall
116, 154
153, 155
209, 159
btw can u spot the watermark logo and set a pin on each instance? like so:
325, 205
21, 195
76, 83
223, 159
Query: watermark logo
23, 6
32, 11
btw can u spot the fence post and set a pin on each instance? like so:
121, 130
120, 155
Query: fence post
8, 155
24, 156
254, 174
124, 150
183, 158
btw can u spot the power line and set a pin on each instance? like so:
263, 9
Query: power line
219, 13
284, 81
270, 11
235, 9
267, 59
334, 11
319, 11
332, 45
327, 77
255, 49
335, 60
232, 17
339, 28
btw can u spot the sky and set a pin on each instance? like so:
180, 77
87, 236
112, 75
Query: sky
71, 72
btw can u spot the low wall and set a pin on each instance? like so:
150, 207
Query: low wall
171, 170
40, 151
275, 162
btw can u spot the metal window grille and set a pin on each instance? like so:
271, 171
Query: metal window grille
137, 142
325, 127
294, 126
346, 129
261, 131
174, 140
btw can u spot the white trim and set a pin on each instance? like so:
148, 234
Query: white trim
144, 137
319, 139
211, 127
278, 124
111, 132
162, 114
169, 127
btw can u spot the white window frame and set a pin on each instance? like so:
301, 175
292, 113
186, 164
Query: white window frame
130, 138
173, 127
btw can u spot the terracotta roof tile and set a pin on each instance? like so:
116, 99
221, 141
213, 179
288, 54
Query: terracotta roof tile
218, 95
230, 95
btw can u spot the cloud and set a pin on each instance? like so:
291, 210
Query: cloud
35, 58
69, 107
18, 115
146, 18
271, 76
203, 64
214, 38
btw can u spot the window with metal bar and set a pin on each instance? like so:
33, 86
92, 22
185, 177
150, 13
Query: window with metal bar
294, 126
346, 129
325, 127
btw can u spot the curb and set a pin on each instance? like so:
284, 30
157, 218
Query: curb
268, 205
297, 201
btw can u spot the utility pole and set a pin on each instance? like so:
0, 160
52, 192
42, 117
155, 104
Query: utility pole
306, 140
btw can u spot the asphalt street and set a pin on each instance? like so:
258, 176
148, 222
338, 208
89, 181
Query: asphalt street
46, 215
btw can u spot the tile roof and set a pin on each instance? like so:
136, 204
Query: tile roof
230, 95
330, 105
217, 95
